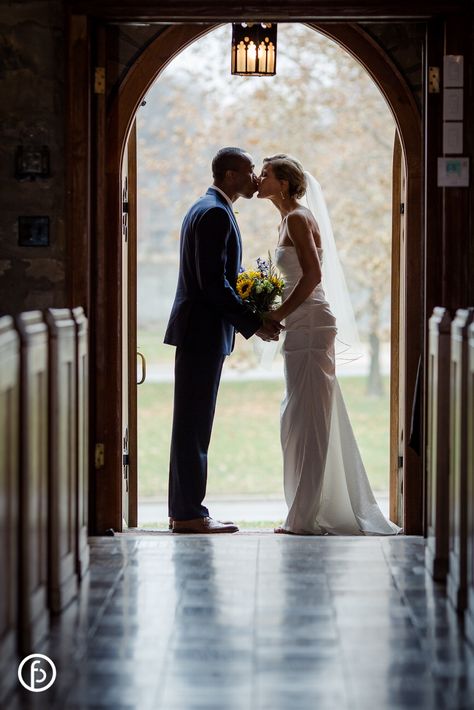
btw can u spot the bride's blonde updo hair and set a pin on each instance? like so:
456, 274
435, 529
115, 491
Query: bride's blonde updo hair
287, 168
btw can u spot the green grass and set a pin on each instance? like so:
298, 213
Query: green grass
150, 343
245, 455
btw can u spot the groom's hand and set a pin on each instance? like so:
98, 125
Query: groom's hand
270, 329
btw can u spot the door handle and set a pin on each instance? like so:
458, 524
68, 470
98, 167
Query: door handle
143, 377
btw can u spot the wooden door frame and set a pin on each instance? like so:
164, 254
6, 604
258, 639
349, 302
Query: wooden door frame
101, 297
131, 374
395, 327
400, 99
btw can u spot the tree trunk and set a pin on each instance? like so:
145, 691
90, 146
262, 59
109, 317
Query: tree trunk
374, 382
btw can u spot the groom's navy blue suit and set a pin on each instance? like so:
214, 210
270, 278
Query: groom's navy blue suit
205, 314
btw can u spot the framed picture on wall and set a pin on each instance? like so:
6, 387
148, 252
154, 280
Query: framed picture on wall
33, 231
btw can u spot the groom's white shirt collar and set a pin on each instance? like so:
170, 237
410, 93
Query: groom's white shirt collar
226, 197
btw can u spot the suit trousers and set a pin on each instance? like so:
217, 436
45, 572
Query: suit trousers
197, 377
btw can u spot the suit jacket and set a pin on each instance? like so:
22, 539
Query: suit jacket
207, 310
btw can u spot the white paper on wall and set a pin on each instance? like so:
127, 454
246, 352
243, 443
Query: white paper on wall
453, 172
452, 137
453, 74
452, 104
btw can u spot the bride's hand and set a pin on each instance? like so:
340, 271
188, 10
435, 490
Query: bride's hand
270, 329
273, 316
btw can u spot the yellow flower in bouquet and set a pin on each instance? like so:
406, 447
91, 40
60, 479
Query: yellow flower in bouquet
244, 286
260, 287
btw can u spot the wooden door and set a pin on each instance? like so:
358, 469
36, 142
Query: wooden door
397, 364
129, 330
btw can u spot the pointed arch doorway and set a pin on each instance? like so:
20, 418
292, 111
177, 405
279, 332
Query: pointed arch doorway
115, 489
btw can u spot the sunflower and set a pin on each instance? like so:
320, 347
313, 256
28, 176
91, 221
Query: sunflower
244, 287
276, 282
260, 287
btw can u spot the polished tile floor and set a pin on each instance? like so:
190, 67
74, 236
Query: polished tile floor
256, 622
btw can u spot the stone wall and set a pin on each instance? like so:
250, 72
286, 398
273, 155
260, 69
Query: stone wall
32, 109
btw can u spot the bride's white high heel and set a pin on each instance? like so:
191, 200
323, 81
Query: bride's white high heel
284, 531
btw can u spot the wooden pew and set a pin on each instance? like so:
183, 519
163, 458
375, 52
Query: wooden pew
437, 543
457, 576
62, 487
82, 399
470, 490
9, 492
33, 510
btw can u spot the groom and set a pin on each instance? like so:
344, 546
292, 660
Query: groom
205, 314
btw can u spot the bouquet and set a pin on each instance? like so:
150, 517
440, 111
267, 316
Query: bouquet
260, 287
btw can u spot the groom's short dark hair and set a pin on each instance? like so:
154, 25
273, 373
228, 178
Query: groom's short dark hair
227, 159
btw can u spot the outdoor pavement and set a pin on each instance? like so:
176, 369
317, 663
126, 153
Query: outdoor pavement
274, 370
245, 509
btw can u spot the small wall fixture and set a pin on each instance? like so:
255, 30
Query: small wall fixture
254, 47
32, 162
33, 231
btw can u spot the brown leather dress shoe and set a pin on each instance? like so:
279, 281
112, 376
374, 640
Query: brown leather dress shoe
225, 522
203, 526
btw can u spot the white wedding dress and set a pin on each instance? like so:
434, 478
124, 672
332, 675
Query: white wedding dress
326, 486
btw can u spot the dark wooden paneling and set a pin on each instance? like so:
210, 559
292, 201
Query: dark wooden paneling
456, 226
188, 10
62, 483
82, 403
33, 512
9, 474
457, 577
107, 342
437, 544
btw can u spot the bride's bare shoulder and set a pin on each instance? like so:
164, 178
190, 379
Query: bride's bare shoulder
302, 220
303, 215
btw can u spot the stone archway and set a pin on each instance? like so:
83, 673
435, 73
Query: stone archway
143, 72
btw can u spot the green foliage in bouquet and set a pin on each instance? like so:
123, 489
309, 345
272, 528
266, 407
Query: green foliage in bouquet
260, 287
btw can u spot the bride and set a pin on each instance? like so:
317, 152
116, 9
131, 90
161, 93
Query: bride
326, 486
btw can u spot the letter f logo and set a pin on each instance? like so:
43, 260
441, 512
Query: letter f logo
34, 670
42, 673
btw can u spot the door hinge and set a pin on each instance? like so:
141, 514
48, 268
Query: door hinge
433, 80
125, 460
402, 208
99, 80
99, 455
400, 462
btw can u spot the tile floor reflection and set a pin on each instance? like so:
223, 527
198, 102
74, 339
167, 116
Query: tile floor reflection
257, 622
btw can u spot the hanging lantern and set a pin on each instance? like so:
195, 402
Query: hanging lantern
254, 48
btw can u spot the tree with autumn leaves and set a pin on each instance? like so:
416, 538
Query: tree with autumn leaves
322, 108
